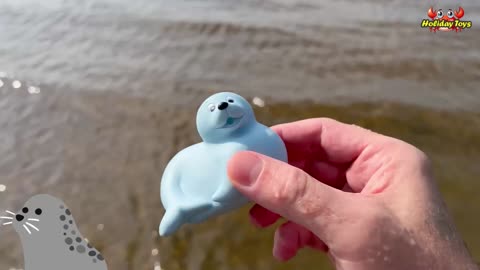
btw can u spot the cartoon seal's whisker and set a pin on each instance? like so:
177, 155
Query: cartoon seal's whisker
10, 212
32, 226
24, 226
6, 217
33, 219
7, 223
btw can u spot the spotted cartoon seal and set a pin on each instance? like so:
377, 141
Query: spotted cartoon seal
50, 237
195, 185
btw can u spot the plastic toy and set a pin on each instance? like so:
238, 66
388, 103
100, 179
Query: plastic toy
195, 185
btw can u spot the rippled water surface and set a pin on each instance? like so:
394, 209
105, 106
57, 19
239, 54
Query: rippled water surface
98, 95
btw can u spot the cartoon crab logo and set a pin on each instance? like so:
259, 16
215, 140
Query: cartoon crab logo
446, 21
449, 16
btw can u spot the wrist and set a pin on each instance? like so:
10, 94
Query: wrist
447, 248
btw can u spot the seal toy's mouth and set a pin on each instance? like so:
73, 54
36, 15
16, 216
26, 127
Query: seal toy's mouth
232, 121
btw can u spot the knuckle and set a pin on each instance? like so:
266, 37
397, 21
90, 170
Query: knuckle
424, 163
293, 192
307, 207
423, 158
326, 122
419, 158
414, 155
290, 188
393, 143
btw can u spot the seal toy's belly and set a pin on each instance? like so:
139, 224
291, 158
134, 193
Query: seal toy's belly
202, 189
198, 171
204, 169
263, 140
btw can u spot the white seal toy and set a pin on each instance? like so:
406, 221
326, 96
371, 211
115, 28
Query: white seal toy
195, 185
50, 237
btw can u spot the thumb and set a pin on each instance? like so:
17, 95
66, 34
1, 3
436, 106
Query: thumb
290, 192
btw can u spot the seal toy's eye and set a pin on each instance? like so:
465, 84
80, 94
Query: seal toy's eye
440, 13
230, 100
211, 107
450, 13
38, 211
25, 210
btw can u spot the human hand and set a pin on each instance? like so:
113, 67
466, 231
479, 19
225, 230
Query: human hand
369, 201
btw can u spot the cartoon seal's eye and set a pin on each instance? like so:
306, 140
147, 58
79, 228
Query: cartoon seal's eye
230, 100
211, 107
25, 210
440, 14
450, 13
38, 211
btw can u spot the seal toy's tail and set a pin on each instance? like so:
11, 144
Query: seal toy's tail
175, 217
171, 222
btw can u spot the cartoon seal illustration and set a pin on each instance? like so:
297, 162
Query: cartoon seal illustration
195, 185
50, 238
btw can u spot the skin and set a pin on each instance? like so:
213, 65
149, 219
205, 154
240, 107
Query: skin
367, 200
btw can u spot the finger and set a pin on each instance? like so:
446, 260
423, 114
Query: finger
262, 217
328, 173
338, 142
288, 191
291, 237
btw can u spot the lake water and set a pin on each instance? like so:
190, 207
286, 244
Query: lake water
291, 50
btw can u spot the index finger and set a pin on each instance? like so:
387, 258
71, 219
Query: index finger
338, 142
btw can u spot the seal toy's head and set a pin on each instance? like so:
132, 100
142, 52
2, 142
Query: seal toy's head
223, 115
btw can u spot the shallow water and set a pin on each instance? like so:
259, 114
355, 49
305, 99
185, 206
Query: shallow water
120, 82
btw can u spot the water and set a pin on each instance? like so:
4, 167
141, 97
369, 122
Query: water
289, 50
116, 84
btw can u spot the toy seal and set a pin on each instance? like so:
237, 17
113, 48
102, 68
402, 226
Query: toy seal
195, 185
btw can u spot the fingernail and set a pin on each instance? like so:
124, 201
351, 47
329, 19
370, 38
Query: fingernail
244, 168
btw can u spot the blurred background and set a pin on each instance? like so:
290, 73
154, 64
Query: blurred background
97, 95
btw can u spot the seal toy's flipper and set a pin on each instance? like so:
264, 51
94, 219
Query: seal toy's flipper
175, 218
171, 222
225, 193
206, 214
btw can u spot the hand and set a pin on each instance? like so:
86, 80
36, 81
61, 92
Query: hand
369, 201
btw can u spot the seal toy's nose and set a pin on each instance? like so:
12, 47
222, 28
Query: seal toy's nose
19, 217
222, 106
